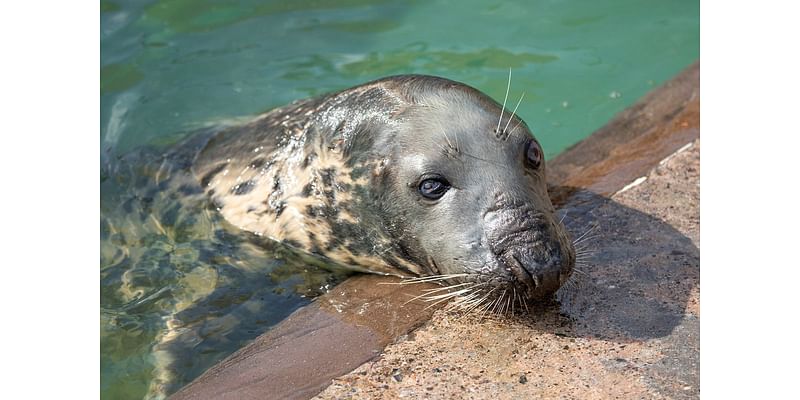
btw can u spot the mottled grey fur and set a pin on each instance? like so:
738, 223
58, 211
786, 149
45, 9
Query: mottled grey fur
338, 175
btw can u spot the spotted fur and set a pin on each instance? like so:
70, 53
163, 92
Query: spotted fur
335, 176
296, 175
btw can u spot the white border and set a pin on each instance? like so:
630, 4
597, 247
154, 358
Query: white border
50, 195
749, 196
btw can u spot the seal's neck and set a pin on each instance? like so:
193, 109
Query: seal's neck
303, 175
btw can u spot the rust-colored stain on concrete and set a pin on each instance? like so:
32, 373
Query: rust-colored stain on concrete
624, 149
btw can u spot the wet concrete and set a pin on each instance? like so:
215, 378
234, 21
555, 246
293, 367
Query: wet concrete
332, 336
627, 326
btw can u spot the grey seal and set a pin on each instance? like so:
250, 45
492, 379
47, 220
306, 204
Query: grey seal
408, 175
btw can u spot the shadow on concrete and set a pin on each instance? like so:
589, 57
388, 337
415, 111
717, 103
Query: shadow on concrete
634, 282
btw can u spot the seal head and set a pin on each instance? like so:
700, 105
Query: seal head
471, 199
408, 175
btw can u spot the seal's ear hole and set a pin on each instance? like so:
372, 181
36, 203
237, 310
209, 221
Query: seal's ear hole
533, 155
433, 188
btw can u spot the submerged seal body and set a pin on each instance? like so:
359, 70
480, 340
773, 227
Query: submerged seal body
407, 175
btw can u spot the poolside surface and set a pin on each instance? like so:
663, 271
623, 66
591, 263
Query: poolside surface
554, 355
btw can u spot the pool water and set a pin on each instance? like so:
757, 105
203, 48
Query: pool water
179, 288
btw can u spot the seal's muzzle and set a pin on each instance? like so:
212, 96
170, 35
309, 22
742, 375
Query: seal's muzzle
528, 247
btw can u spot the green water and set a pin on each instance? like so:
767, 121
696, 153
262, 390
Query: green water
171, 67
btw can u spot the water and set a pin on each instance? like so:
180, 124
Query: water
172, 67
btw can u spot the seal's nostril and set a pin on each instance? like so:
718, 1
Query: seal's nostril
520, 273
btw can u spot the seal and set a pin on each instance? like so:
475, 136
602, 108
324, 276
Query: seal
409, 175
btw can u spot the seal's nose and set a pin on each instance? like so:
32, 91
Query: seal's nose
539, 279
546, 277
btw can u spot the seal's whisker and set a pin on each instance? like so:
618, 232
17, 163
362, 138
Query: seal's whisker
579, 271
588, 231
517, 125
428, 292
585, 236
585, 249
508, 305
424, 279
486, 308
515, 300
563, 216
469, 290
505, 129
488, 161
474, 302
583, 245
480, 301
449, 143
445, 298
584, 239
460, 302
474, 293
428, 299
499, 307
485, 295
439, 276
508, 88
489, 304
525, 303
497, 302
447, 287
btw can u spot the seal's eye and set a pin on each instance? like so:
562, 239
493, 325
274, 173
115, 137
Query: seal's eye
533, 155
433, 188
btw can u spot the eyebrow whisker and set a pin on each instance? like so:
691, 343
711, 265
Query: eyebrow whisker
513, 112
508, 88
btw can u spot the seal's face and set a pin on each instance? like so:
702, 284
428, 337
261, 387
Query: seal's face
470, 200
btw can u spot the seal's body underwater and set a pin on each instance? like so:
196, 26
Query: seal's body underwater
408, 175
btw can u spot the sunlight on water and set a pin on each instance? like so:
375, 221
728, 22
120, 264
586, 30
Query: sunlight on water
180, 289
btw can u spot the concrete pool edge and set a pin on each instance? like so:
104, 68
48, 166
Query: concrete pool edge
359, 318
635, 140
